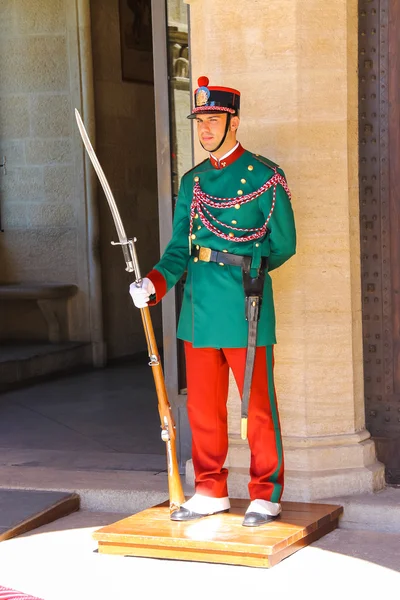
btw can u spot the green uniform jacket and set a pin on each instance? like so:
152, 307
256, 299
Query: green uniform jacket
213, 307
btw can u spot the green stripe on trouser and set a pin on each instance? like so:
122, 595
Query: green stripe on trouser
277, 492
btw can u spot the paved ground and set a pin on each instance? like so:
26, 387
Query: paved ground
60, 562
109, 412
77, 424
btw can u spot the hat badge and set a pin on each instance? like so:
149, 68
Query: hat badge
202, 93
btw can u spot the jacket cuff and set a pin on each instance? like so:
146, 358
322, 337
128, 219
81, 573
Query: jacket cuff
159, 283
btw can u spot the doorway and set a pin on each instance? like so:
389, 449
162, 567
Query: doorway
126, 148
144, 143
379, 127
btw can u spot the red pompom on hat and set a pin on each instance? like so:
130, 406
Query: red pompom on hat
203, 81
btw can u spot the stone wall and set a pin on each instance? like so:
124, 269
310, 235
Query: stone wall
41, 200
49, 229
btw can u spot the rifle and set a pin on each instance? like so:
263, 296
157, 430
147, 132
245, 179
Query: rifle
168, 428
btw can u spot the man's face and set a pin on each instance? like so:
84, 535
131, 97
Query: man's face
211, 130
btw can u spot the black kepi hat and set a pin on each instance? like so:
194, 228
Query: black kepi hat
209, 99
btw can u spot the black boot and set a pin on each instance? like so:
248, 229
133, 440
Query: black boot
183, 514
255, 519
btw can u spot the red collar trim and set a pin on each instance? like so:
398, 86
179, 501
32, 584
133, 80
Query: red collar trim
225, 162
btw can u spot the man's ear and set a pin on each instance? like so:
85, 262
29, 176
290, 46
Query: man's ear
235, 123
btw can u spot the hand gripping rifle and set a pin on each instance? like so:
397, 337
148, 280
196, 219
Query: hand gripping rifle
176, 496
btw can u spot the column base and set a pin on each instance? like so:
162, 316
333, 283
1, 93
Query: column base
315, 468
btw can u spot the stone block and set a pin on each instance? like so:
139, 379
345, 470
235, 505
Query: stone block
269, 38
14, 116
323, 94
13, 150
325, 334
51, 116
329, 413
278, 86
322, 140
59, 183
41, 255
7, 21
47, 152
46, 16
13, 215
35, 64
22, 184
43, 215
327, 290
349, 455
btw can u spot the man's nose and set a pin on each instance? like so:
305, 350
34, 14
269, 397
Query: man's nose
204, 126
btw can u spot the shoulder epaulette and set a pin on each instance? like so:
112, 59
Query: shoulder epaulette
266, 161
195, 166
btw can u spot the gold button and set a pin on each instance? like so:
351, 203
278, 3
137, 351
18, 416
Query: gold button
221, 264
193, 236
196, 216
197, 247
234, 222
257, 245
242, 181
240, 192
199, 227
195, 259
231, 234
197, 179
224, 250
237, 206
250, 167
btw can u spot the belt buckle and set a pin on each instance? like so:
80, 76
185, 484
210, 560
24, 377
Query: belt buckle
205, 254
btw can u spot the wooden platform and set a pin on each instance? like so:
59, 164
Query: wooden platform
24, 510
219, 538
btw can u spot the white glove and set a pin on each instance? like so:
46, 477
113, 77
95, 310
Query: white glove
141, 295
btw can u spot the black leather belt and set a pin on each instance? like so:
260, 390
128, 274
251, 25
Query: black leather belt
226, 258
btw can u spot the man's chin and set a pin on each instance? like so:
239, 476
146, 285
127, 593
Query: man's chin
209, 146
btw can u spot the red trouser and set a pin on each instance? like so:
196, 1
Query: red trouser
207, 371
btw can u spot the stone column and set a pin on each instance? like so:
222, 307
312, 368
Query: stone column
300, 108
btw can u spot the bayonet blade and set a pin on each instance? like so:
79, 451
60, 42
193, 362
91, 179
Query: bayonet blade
123, 240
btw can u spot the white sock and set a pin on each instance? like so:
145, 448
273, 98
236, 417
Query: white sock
265, 507
206, 505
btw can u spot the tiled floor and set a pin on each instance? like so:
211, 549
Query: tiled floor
101, 418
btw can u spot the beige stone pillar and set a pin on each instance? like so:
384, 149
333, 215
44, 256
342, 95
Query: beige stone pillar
300, 109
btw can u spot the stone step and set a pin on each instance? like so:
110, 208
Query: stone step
22, 363
310, 486
379, 511
99, 490
127, 492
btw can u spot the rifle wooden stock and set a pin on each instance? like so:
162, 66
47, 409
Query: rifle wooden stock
176, 495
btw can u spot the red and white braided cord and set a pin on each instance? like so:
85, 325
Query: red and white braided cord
201, 201
200, 109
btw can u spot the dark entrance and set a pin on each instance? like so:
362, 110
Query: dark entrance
379, 94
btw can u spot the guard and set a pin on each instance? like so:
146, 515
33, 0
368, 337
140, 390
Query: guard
233, 225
